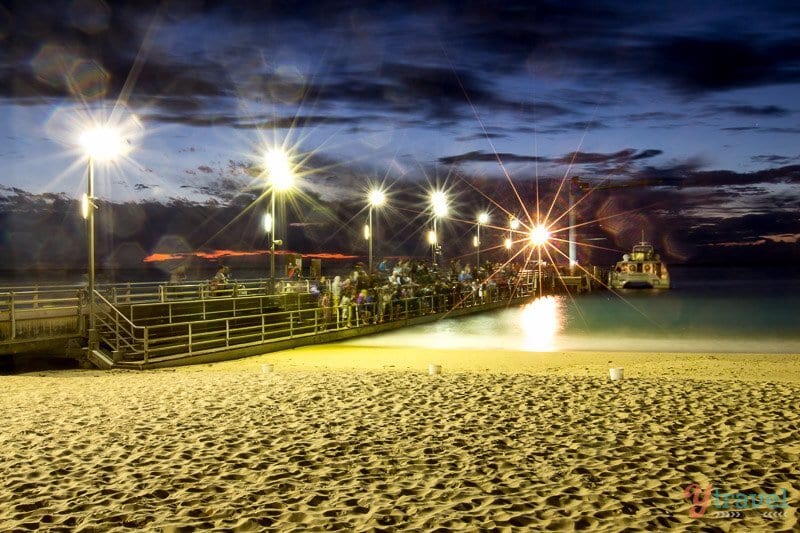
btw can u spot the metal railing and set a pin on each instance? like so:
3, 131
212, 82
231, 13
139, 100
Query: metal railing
142, 321
32, 312
186, 334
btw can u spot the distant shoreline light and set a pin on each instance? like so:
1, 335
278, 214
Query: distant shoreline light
217, 254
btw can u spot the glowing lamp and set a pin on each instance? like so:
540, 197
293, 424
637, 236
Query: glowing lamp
280, 170
103, 143
439, 203
85, 206
377, 198
483, 218
539, 235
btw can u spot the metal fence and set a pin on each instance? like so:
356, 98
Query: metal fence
179, 332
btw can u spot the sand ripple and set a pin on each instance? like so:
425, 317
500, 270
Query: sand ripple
376, 450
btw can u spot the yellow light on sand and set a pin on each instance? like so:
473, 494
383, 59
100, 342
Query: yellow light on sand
439, 203
431, 237
483, 218
513, 223
103, 143
377, 198
539, 235
366, 232
508, 243
85, 206
280, 171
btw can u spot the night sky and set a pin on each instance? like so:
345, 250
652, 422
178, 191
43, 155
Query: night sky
681, 118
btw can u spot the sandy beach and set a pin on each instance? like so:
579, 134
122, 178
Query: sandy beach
359, 438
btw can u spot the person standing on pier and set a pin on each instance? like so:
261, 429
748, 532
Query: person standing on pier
220, 279
325, 304
178, 276
344, 306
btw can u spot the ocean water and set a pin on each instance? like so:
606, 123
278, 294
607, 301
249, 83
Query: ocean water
721, 310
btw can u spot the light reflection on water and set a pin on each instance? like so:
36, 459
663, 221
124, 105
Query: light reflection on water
541, 321
739, 317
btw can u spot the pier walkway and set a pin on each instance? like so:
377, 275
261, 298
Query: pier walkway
148, 325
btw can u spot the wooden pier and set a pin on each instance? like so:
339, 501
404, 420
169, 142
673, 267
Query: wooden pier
140, 326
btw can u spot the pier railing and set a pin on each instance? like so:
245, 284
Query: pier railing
33, 312
162, 337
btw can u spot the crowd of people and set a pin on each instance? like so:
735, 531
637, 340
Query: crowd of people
409, 287
371, 298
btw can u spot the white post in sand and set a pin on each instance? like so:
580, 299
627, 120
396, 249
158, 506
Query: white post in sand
267, 368
434, 370
616, 373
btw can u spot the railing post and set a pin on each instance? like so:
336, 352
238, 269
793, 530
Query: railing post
146, 344
116, 330
13, 314
190, 338
81, 321
227, 332
263, 326
291, 324
162, 294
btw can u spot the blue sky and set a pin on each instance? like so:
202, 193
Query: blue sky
697, 98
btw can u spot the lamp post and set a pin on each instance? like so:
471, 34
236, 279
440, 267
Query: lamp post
281, 179
432, 242
100, 144
513, 225
376, 199
439, 206
483, 218
539, 236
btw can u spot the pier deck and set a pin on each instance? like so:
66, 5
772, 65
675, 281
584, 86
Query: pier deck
141, 326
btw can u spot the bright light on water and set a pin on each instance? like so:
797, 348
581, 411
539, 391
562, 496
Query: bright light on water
704, 313
541, 321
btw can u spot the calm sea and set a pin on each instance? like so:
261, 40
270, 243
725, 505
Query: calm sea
732, 310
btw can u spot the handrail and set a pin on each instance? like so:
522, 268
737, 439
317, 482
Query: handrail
206, 323
115, 337
191, 337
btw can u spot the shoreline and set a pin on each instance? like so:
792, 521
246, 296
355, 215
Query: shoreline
666, 365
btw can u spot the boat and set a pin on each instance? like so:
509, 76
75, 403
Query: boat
642, 268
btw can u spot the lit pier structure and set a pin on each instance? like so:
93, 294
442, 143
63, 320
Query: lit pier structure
148, 325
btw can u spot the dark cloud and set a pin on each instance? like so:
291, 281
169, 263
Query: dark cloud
720, 62
774, 159
626, 155
481, 136
478, 157
755, 111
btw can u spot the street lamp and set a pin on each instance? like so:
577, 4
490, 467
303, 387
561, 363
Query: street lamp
513, 225
281, 179
439, 206
376, 198
483, 218
100, 144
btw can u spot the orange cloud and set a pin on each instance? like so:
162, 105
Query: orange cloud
218, 254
